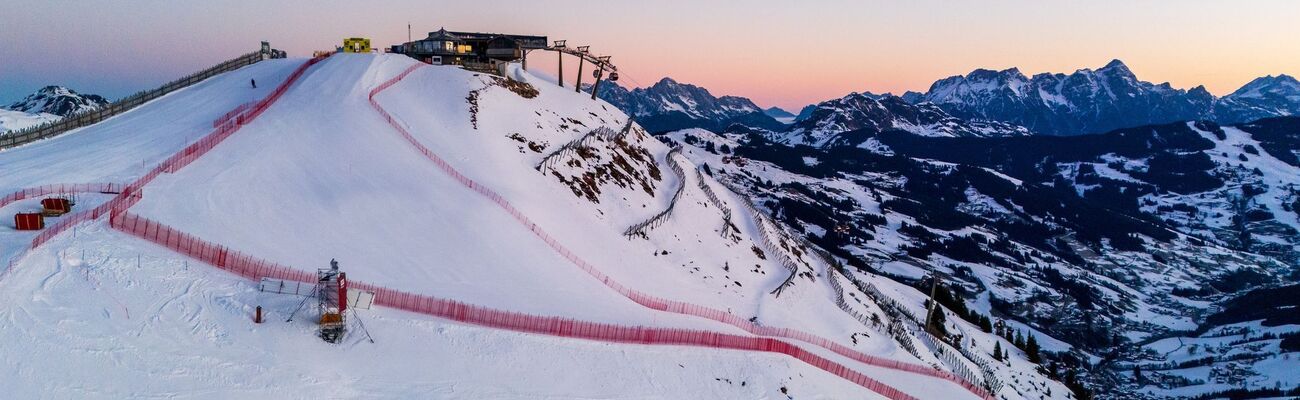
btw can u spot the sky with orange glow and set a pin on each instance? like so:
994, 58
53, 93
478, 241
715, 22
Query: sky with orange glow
784, 53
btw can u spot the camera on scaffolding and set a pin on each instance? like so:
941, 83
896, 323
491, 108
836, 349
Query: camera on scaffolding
336, 303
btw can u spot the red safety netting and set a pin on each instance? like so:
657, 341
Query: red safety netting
642, 298
63, 222
129, 194
61, 188
255, 268
232, 114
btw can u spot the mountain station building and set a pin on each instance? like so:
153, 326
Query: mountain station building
470, 49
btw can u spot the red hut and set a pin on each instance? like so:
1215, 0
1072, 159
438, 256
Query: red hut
56, 206
29, 221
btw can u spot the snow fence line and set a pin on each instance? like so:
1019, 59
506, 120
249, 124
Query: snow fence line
654, 221
761, 222
713, 198
129, 194
254, 268
646, 300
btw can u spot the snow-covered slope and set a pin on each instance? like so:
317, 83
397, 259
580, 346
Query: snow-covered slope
11, 120
322, 175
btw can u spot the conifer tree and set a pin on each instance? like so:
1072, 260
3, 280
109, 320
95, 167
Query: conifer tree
1031, 350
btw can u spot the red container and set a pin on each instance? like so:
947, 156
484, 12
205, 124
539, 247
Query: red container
29, 221
56, 206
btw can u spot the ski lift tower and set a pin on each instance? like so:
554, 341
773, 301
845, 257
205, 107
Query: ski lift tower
332, 301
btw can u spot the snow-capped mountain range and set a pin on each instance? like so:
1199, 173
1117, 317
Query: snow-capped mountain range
983, 103
1095, 101
50, 103
848, 120
670, 105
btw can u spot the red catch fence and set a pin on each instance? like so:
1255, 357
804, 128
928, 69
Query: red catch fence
639, 297
128, 195
232, 114
255, 268
62, 188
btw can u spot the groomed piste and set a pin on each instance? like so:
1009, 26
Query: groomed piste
373, 160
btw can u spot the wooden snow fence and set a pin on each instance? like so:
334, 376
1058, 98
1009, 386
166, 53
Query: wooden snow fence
90, 117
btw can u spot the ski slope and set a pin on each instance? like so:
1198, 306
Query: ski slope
321, 175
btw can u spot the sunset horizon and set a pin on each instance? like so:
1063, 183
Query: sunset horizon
775, 53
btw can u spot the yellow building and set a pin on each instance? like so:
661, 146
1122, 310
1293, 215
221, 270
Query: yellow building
356, 45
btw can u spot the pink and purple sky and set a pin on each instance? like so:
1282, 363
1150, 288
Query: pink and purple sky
776, 52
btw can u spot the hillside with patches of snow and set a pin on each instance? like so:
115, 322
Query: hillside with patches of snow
1100, 244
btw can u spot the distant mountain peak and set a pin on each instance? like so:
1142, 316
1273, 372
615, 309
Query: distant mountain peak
778, 113
1116, 64
668, 81
1275, 84
1117, 68
58, 100
982, 74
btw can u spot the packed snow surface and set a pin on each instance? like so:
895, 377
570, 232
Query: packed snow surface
322, 176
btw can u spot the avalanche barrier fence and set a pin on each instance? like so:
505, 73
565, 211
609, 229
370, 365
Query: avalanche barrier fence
642, 227
761, 222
